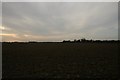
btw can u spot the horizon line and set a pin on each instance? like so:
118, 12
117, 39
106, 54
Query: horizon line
75, 40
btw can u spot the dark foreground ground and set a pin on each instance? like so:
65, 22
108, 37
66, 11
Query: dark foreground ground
60, 60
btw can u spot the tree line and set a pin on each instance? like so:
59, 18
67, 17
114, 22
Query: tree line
85, 40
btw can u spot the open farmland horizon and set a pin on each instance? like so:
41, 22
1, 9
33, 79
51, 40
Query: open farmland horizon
75, 40
67, 40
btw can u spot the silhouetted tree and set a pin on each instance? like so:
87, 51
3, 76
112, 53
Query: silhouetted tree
83, 40
66, 41
75, 40
78, 40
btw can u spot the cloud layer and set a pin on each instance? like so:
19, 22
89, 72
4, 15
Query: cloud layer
55, 21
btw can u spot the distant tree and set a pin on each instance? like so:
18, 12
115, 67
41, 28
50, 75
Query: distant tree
78, 40
91, 40
75, 40
66, 41
83, 40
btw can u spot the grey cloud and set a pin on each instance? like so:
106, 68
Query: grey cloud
89, 20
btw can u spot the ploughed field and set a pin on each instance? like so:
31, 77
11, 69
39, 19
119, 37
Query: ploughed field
60, 60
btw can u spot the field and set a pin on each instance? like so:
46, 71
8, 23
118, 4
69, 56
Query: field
60, 60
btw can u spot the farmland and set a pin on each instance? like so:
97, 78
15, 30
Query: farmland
60, 60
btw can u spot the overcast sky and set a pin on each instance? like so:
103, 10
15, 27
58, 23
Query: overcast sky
57, 21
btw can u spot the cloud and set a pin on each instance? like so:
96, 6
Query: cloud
55, 21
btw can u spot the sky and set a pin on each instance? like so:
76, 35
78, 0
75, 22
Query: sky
58, 21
